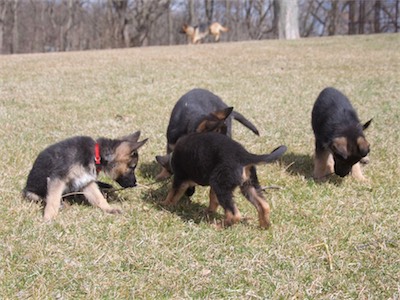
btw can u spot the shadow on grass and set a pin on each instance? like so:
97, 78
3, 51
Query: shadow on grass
109, 191
149, 170
302, 165
186, 209
298, 164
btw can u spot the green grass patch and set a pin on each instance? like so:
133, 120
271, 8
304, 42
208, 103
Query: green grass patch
334, 240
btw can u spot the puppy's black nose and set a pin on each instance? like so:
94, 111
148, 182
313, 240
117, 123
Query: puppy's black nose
126, 181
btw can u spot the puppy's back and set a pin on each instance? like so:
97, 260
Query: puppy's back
210, 149
56, 160
189, 110
332, 109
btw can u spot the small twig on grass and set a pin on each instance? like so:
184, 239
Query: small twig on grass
72, 194
328, 253
289, 165
112, 190
271, 187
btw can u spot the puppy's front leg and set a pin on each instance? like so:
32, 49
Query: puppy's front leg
96, 198
323, 165
55, 188
212, 207
357, 173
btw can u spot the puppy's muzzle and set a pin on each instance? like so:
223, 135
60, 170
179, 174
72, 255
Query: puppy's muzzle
126, 181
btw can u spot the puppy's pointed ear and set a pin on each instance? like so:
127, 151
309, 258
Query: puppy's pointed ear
363, 146
132, 138
223, 114
365, 126
137, 145
214, 120
163, 160
339, 146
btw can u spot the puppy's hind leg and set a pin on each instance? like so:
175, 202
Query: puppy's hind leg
175, 193
96, 198
232, 214
212, 207
252, 191
55, 188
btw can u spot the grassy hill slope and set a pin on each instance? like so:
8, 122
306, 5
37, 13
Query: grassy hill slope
334, 240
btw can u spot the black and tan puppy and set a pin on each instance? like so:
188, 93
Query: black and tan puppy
72, 165
215, 160
200, 110
340, 143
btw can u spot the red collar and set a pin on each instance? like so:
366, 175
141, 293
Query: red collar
97, 157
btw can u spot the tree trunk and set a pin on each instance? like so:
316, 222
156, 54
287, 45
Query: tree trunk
352, 17
191, 12
15, 33
3, 12
121, 30
396, 24
227, 15
332, 18
209, 4
361, 17
68, 31
287, 12
170, 24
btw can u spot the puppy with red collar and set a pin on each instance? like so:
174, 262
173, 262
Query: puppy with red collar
72, 165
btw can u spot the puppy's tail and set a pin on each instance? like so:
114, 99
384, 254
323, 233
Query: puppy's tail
275, 154
241, 119
268, 158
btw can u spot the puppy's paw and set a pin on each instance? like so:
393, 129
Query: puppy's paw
365, 160
114, 211
166, 202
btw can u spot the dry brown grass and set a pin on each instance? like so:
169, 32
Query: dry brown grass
335, 240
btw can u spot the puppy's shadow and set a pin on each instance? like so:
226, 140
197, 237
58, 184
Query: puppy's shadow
109, 191
298, 164
302, 165
149, 170
186, 209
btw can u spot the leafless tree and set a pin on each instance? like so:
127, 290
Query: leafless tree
352, 17
3, 14
64, 25
287, 14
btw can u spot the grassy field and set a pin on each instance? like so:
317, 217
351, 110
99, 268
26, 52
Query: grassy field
338, 240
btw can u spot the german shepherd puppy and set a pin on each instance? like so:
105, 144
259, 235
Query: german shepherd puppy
72, 165
340, 143
200, 110
215, 160
198, 33
216, 29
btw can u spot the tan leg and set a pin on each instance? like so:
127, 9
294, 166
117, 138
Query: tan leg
212, 207
232, 218
96, 198
323, 165
55, 189
164, 174
259, 203
356, 172
175, 194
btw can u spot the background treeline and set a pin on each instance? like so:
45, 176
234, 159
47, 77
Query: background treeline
67, 25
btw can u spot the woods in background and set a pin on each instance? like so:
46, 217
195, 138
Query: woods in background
69, 25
